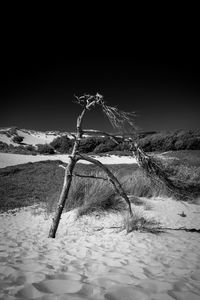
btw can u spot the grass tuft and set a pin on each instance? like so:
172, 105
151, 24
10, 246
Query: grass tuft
93, 195
139, 185
141, 223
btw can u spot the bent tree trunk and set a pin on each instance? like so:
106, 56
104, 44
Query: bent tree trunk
63, 196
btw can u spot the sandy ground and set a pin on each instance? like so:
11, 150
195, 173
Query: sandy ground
94, 258
36, 137
9, 159
7, 140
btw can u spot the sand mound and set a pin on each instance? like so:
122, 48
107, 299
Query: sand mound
92, 258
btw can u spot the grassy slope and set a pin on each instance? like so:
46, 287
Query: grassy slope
31, 183
187, 157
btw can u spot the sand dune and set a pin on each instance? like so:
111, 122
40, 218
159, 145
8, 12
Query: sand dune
33, 137
30, 137
92, 258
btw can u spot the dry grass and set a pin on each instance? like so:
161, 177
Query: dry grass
140, 202
139, 185
141, 223
93, 195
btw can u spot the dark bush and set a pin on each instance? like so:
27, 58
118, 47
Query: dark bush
62, 144
89, 144
4, 147
30, 148
193, 143
168, 141
18, 139
45, 149
122, 147
106, 146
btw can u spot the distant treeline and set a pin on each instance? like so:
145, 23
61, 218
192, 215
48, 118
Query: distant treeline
149, 142
166, 141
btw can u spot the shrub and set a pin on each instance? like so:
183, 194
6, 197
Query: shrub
45, 149
102, 148
193, 143
107, 145
4, 147
30, 148
62, 144
122, 147
141, 223
18, 139
89, 144
166, 141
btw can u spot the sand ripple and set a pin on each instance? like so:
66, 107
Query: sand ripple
91, 262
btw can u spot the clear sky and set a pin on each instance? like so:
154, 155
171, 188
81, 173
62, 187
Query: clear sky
161, 84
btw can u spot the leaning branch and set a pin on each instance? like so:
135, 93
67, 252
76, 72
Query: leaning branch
116, 184
90, 176
154, 170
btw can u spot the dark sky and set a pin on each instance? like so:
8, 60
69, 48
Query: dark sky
160, 81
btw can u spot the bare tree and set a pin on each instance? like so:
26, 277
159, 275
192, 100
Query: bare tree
117, 118
123, 121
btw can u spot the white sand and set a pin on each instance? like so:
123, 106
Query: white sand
9, 159
34, 138
89, 259
7, 140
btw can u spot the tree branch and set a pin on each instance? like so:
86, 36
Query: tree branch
89, 176
61, 166
116, 184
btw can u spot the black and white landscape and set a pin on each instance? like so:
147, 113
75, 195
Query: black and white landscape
99, 251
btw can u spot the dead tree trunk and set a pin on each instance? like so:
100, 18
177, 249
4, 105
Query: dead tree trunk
67, 179
63, 196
